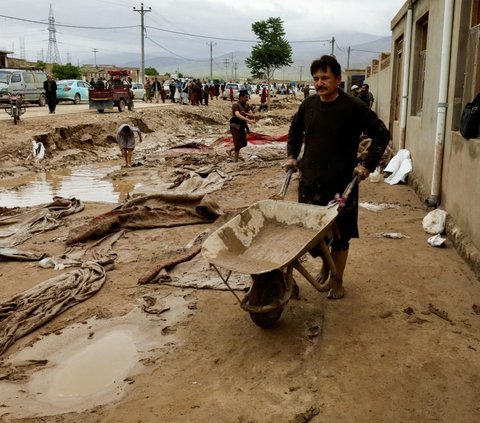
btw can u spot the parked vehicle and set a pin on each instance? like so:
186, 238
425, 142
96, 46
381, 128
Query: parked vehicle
117, 95
28, 83
236, 89
138, 90
72, 90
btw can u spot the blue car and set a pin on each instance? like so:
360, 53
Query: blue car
72, 90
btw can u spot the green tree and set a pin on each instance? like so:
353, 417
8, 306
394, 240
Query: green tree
271, 52
67, 71
151, 71
41, 65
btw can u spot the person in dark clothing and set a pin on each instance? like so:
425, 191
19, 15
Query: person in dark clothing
330, 124
50, 87
366, 96
172, 87
241, 117
100, 83
205, 93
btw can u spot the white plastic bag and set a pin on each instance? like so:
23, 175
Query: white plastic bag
436, 241
38, 150
399, 167
434, 222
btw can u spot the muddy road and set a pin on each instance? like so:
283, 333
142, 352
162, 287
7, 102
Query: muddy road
403, 345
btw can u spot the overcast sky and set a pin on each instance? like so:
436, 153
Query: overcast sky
304, 20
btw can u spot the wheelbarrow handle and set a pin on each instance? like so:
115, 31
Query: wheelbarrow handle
286, 183
348, 190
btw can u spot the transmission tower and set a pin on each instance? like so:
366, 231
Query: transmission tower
22, 48
53, 56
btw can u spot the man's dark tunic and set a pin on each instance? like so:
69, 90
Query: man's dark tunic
331, 131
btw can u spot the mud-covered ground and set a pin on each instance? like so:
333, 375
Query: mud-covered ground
403, 345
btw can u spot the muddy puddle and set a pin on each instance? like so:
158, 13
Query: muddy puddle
86, 183
90, 363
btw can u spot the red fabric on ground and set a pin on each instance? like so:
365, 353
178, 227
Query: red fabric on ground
255, 138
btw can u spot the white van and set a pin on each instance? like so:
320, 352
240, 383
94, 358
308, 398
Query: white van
28, 83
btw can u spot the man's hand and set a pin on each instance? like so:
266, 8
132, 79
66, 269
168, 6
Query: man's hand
291, 164
362, 172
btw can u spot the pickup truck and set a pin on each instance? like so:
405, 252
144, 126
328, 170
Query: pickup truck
117, 94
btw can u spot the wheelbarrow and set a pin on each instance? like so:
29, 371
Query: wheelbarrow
266, 241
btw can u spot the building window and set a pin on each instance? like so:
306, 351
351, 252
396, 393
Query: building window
420, 64
398, 76
472, 70
475, 20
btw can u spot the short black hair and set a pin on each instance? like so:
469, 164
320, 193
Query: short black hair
126, 129
324, 63
241, 93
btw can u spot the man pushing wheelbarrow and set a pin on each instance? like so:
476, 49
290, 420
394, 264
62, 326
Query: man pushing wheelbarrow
330, 124
268, 239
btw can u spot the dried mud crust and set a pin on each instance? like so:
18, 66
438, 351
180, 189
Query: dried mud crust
323, 361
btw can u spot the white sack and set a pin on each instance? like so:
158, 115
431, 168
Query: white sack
434, 222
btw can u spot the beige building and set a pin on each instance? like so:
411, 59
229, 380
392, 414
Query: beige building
433, 71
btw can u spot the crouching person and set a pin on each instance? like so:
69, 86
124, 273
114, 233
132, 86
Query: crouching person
126, 141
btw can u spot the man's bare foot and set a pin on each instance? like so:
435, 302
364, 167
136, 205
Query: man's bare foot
337, 291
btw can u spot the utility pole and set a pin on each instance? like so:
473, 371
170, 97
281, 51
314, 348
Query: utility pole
348, 58
232, 65
142, 12
235, 65
301, 69
95, 50
211, 44
226, 62
333, 46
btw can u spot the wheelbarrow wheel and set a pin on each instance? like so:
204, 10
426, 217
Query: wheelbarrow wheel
265, 290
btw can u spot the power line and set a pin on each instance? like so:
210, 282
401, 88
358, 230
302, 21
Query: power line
69, 26
171, 52
160, 29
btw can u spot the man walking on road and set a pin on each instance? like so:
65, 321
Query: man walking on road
50, 87
126, 141
330, 124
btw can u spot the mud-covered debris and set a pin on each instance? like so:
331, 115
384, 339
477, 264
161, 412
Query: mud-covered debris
440, 313
476, 308
409, 311
306, 416
417, 320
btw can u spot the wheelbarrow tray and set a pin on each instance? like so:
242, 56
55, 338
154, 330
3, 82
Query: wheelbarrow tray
268, 235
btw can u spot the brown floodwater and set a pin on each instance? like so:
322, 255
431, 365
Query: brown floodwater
86, 183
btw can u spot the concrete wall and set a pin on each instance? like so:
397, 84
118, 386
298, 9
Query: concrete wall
460, 178
461, 184
380, 84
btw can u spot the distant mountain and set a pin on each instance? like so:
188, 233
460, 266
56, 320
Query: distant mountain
363, 50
